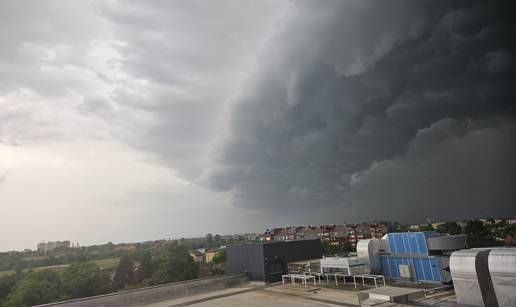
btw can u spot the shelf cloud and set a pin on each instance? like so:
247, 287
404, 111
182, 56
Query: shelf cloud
259, 112
398, 110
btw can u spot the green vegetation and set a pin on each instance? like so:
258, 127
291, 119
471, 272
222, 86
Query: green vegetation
104, 264
478, 235
55, 268
31, 278
44, 286
18, 261
108, 263
35, 288
28, 278
394, 227
451, 228
174, 265
4, 273
7, 283
124, 274
220, 256
143, 266
85, 279
34, 258
145, 269
330, 249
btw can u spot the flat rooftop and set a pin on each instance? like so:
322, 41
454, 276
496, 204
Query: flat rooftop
236, 290
267, 296
285, 296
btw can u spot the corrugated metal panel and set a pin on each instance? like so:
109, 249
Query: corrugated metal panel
393, 266
407, 243
484, 276
502, 266
386, 270
424, 269
368, 249
465, 280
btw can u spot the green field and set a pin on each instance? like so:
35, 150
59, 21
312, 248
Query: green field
3, 273
108, 263
33, 258
59, 267
105, 264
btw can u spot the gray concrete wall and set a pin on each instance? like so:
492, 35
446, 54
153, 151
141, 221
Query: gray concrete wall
158, 293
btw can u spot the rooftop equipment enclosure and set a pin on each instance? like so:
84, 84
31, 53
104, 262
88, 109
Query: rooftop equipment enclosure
484, 276
419, 256
268, 261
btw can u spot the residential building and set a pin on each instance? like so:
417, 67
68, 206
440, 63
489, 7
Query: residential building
435, 225
196, 255
335, 234
209, 254
45, 247
377, 231
251, 237
269, 234
414, 227
285, 234
305, 233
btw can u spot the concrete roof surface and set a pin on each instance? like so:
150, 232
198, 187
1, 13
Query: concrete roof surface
272, 296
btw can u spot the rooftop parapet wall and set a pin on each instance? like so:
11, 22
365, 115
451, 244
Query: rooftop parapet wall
157, 293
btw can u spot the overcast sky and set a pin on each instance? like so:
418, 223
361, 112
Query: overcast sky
126, 121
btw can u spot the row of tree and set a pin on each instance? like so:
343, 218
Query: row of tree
30, 259
82, 279
479, 234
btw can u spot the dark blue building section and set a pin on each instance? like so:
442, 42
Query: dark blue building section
411, 249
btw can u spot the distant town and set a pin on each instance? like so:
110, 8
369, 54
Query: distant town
336, 237
114, 267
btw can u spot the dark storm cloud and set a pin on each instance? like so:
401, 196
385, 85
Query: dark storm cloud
189, 58
466, 176
362, 105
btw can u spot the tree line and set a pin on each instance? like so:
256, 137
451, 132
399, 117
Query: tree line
478, 234
82, 279
25, 260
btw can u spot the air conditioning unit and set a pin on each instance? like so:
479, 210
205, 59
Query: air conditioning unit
405, 271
